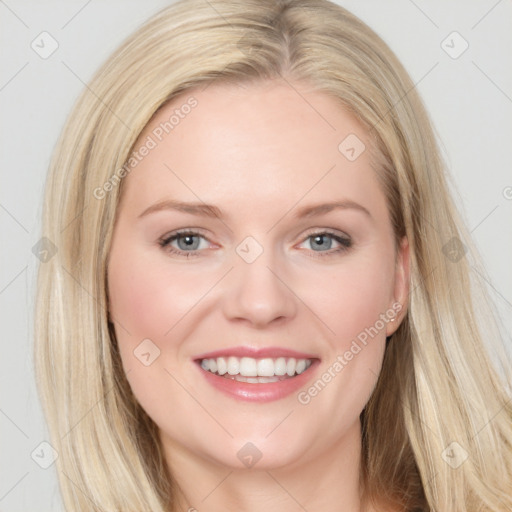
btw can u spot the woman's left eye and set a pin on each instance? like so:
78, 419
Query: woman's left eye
188, 247
324, 240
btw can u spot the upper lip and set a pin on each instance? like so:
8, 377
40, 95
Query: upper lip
256, 353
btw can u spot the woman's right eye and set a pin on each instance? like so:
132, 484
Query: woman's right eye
185, 241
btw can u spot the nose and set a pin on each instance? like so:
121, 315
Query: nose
258, 293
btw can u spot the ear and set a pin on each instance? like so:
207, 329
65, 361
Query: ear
401, 286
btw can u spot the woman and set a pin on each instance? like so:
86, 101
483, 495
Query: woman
197, 349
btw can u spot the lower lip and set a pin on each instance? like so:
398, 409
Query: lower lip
266, 392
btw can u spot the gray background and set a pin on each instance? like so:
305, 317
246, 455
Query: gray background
469, 98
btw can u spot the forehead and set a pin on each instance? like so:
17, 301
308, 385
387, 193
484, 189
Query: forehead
254, 145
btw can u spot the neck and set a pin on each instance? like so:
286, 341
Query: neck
317, 481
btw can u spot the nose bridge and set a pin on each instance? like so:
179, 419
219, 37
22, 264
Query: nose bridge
257, 292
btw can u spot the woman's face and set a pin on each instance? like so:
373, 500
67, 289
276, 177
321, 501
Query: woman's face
270, 281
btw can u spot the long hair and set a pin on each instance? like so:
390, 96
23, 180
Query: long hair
437, 430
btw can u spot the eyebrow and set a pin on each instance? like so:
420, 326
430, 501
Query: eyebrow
208, 210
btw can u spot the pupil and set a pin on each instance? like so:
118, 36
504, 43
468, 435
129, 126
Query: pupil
319, 239
187, 240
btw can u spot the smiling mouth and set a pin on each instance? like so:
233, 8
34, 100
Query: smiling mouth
255, 371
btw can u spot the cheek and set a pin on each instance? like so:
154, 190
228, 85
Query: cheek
145, 300
134, 300
145, 305
354, 296
141, 311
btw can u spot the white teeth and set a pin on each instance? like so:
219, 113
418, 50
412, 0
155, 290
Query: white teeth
266, 368
233, 365
299, 367
222, 366
248, 369
254, 380
290, 366
280, 366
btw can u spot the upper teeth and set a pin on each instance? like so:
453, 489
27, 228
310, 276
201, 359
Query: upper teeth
250, 367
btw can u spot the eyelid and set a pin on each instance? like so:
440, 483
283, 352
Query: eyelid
183, 231
328, 231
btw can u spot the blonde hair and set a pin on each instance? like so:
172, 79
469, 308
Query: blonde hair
437, 386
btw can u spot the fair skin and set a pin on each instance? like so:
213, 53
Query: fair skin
260, 153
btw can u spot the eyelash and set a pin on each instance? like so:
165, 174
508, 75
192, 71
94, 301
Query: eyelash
345, 243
